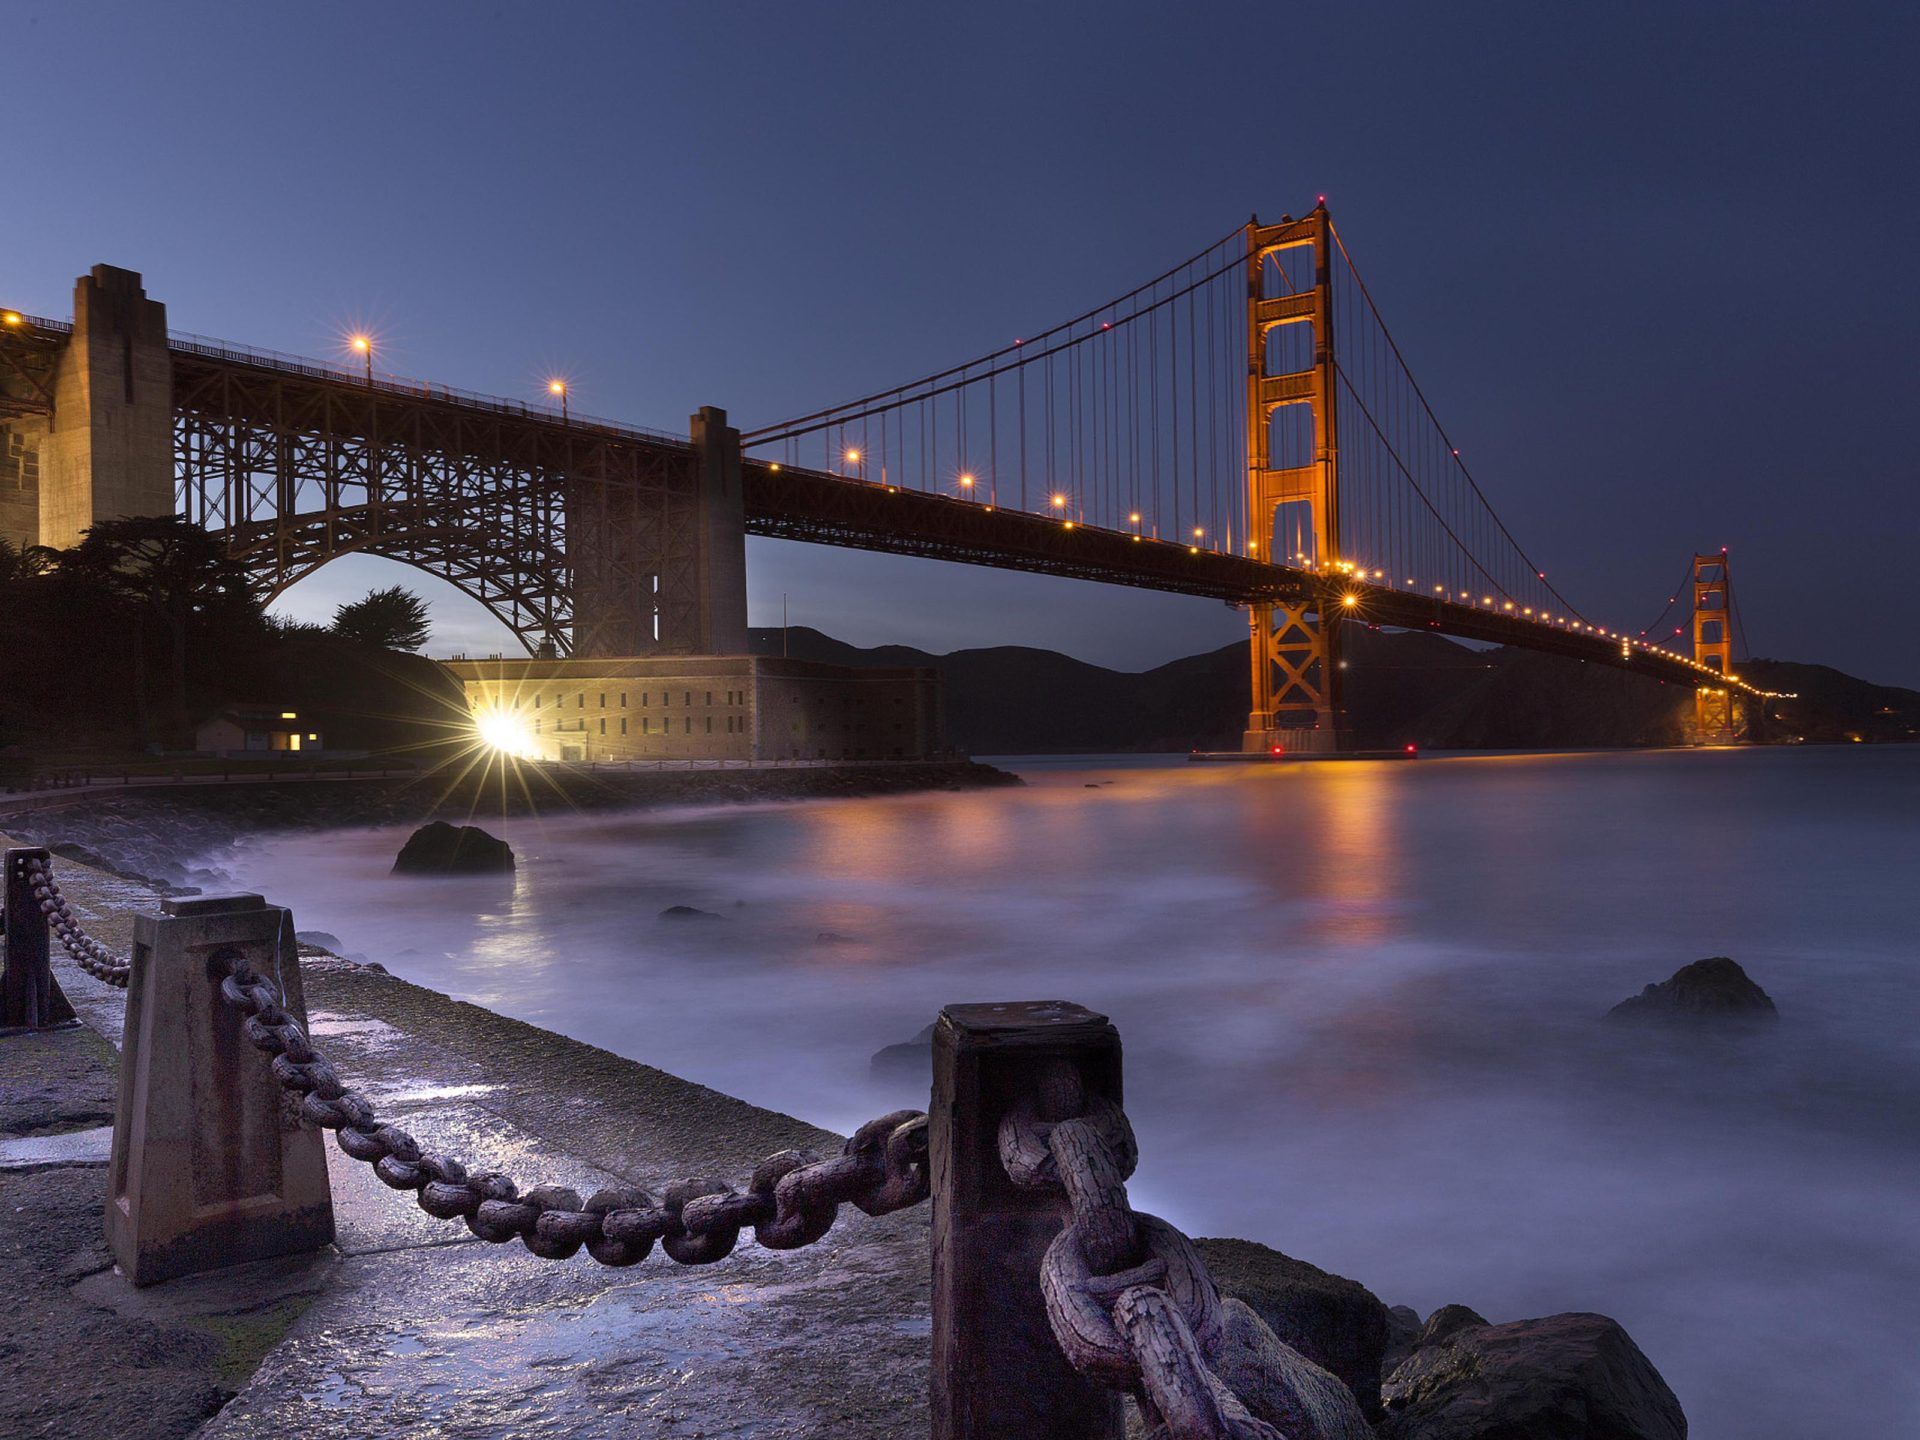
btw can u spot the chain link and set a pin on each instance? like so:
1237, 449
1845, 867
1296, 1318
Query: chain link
792, 1199
1128, 1296
93, 957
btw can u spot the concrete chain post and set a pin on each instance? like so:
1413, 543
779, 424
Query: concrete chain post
997, 1370
211, 1163
30, 997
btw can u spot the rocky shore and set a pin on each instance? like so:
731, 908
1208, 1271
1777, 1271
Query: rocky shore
152, 833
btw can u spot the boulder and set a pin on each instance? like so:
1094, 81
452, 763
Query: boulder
909, 1060
1712, 991
688, 912
1280, 1385
443, 849
1336, 1323
1403, 1333
1442, 1324
1565, 1377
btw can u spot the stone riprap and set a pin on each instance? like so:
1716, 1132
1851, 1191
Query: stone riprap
163, 836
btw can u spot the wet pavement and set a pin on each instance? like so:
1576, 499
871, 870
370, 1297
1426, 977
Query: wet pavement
411, 1326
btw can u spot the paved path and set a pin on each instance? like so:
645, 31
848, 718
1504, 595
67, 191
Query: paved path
415, 1327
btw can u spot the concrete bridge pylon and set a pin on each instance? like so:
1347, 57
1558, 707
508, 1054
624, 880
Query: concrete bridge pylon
106, 451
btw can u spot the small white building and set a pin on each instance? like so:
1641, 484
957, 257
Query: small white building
255, 730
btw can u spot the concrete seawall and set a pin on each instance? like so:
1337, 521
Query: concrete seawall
411, 1323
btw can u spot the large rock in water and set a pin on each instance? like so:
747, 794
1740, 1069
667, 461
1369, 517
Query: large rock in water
1567, 1377
909, 1060
1338, 1324
443, 849
1707, 991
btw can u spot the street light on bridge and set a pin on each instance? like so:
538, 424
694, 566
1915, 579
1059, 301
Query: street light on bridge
559, 387
362, 345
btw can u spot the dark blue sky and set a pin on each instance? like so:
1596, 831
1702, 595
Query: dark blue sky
1654, 264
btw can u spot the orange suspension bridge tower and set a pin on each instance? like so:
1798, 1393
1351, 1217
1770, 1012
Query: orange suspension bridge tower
1713, 711
1295, 647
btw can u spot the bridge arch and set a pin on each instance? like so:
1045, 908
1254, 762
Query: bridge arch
464, 617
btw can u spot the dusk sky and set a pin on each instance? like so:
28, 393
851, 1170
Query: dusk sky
1652, 263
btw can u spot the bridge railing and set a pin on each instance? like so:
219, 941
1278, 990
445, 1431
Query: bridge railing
210, 348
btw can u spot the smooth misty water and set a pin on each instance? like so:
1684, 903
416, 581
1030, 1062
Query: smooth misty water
1360, 1004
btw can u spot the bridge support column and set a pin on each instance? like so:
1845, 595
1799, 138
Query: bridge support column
109, 450
660, 568
1293, 499
1294, 680
721, 536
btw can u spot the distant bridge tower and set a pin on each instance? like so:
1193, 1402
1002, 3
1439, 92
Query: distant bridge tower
1713, 713
1292, 487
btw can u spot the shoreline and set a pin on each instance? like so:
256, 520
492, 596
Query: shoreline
371, 1324
402, 1297
150, 833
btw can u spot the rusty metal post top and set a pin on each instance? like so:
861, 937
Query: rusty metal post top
993, 1018
211, 904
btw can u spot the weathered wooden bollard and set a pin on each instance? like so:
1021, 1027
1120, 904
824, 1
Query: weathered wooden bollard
997, 1372
30, 998
211, 1164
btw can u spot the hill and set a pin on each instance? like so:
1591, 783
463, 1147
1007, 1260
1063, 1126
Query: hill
1402, 688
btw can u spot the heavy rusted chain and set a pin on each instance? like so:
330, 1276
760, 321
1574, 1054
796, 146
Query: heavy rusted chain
93, 957
1128, 1297
792, 1199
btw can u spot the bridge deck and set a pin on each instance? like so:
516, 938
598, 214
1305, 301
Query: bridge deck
817, 507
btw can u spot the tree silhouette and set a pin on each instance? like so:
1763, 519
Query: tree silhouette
163, 575
393, 619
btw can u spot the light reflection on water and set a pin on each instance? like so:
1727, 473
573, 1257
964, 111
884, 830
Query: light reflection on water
1359, 1002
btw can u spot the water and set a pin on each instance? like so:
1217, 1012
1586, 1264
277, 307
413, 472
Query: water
1360, 1004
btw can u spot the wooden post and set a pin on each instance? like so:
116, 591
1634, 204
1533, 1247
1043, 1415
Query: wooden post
30, 998
211, 1163
997, 1373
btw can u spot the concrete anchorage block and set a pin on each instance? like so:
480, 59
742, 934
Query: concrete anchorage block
212, 1164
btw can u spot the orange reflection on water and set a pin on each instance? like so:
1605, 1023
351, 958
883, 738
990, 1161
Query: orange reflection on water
1331, 833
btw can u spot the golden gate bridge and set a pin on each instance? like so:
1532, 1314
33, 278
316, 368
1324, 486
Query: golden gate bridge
1242, 426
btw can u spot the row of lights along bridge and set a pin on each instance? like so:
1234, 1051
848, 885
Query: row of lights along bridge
968, 483
362, 345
